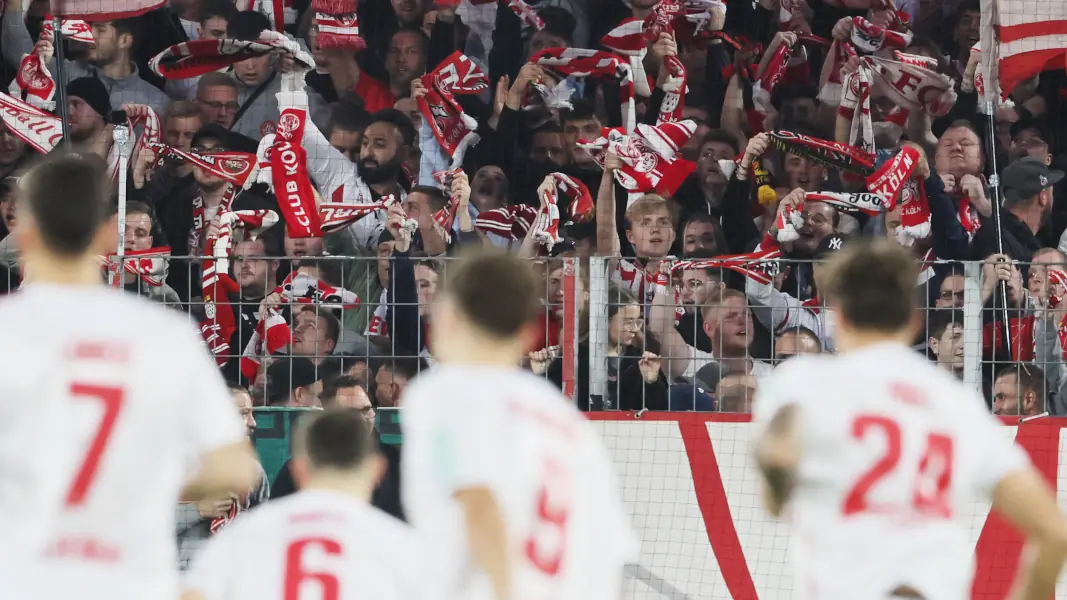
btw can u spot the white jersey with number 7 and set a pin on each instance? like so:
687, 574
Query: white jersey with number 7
143, 402
513, 433
895, 455
313, 545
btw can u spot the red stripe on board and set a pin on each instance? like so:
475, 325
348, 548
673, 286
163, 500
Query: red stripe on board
711, 497
1011, 33
1000, 544
1020, 67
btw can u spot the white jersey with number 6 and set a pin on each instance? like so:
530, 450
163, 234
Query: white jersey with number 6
313, 545
143, 403
513, 433
895, 454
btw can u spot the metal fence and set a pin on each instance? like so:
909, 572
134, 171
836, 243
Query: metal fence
613, 336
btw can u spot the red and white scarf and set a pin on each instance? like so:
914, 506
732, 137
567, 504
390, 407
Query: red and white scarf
510, 222
911, 83
338, 24
216, 283
675, 88
150, 134
894, 182
33, 76
628, 39
336, 216
197, 57
272, 333
760, 266
234, 167
790, 218
453, 129
581, 62
444, 220
580, 204
39, 129
869, 38
150, 265
651, 158
289, 174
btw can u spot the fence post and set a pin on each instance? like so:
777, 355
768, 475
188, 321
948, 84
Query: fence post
972, 325
572, 302
598, 331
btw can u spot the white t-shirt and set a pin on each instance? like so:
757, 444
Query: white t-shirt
143, 401
306, 544
510, 431
895, 453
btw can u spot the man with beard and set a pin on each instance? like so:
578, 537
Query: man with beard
387, 142
109, 58
90, 116
1027, 188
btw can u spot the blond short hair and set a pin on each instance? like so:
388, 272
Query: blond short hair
647, 205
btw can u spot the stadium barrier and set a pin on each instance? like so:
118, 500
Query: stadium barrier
693, 494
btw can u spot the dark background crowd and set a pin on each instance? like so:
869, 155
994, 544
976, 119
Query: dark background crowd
699, 338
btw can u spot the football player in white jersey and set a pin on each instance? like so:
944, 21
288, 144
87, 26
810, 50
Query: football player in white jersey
877, 457
324, 541
140, 398
497, 465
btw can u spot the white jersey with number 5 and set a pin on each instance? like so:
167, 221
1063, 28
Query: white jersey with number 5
143, 403
895, 452
314, 544
513, 433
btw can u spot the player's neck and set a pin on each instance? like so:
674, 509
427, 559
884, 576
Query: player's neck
358, 488
84, 271
849, 340
480, 353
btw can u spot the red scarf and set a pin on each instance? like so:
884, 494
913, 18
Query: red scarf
216, 284
831, 154
580, 62
292, 185
790, 218
651, 158
510, 222
893, 181
760, 266
580, 204
197, 57
453, 129
150, 265
39, 129
335, 216
272, 333
675, 88
629, 39
338, 24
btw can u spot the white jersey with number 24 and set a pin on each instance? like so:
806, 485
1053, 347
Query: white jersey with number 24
513, 433
896, 455
143, 402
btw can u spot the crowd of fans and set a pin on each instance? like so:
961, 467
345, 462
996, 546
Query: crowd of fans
684, 329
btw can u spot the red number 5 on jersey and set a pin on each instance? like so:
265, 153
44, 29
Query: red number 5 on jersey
933, 476
111, 398
548, 538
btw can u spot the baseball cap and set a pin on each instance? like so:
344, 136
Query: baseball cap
1026, 177
830, 244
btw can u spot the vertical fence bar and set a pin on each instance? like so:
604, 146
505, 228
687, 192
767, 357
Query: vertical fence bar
598, 330
972, 325
572, 303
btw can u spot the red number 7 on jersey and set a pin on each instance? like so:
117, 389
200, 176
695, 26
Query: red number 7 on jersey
111, 398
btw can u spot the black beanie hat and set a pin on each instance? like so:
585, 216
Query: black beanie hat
93, 92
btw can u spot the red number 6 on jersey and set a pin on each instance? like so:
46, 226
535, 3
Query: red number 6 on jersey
548, 537
112, 399
296, 575
933, 477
